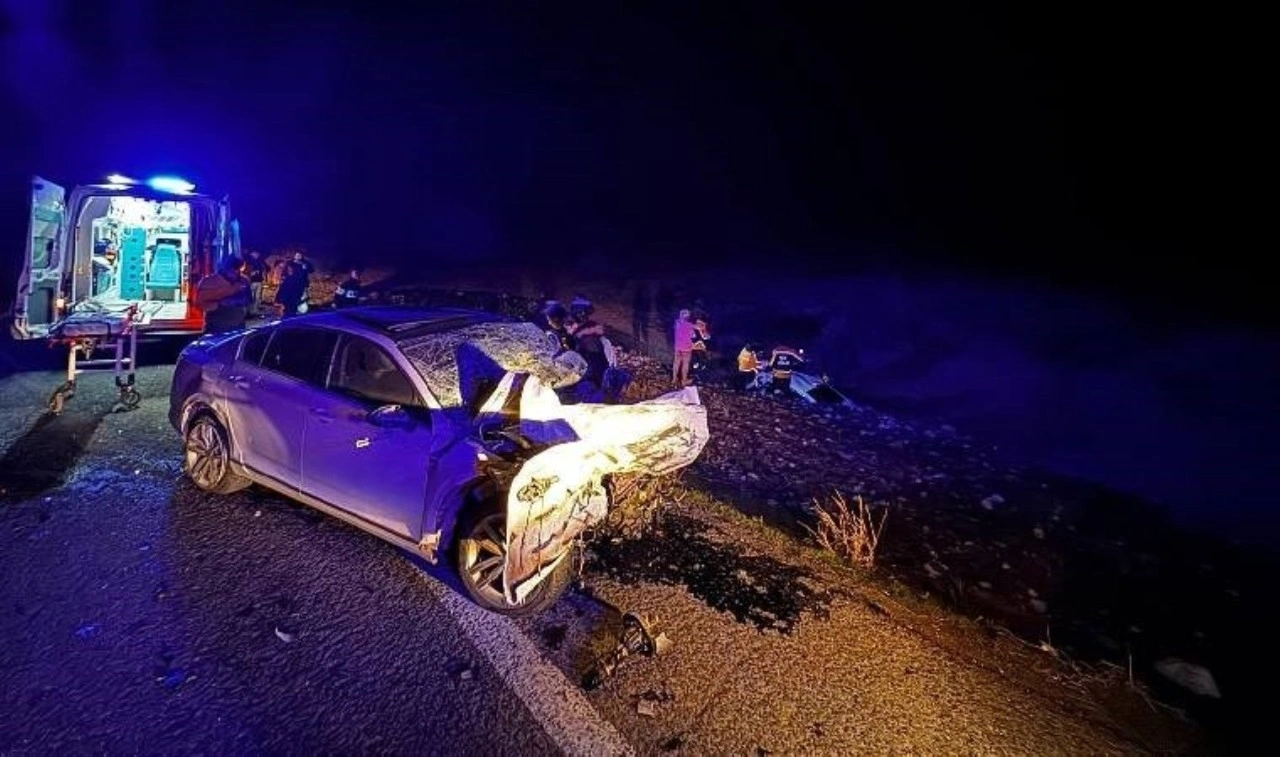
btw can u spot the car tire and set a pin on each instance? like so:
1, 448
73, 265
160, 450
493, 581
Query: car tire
478, 563
206, 457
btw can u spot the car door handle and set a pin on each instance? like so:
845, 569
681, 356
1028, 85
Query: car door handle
322, 415
239, 382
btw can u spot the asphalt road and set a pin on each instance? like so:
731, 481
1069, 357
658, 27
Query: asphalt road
141, 615
138, 615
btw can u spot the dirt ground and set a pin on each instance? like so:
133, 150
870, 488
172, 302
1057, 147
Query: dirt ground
1101, 577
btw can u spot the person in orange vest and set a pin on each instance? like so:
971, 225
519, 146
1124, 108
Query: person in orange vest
748, 367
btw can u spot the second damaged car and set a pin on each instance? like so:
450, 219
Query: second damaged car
439, 431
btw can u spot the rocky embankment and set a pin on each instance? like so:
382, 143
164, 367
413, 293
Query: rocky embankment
1066, 565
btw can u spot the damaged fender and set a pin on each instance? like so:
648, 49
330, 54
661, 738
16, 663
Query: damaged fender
560, 491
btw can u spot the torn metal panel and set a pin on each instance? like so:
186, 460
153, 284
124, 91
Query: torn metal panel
561, 491
816, 390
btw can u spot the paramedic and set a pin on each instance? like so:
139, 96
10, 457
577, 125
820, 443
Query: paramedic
748, 367
783, 363
225, 298
348, 294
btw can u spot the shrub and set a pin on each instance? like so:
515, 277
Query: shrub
850, 530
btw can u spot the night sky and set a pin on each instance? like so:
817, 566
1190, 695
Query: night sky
1082, 143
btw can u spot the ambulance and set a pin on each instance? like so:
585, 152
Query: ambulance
120, 246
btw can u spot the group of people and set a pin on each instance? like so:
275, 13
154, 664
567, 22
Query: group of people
233, 293
575, 329
775, 374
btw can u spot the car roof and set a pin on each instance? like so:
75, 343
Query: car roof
397, 322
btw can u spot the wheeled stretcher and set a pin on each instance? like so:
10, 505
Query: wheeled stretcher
85, 333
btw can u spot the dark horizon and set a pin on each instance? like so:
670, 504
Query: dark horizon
1083, 149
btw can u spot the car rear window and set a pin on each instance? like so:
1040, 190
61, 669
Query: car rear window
302, 353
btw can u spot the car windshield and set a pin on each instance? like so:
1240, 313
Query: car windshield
460, 366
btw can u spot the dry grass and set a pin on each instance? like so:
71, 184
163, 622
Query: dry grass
850, 530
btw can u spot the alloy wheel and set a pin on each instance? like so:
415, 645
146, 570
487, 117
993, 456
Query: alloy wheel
484, 557
207, 456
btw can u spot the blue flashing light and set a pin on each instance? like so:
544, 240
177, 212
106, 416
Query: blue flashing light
116, 178
171, 184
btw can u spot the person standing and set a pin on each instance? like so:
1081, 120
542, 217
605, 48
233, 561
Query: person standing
304, 267
641, 308
699, 359
588, 339
293, 289
682, 342
348, 293
224, 297
257, 274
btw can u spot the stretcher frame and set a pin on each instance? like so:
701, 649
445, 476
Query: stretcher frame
116, 331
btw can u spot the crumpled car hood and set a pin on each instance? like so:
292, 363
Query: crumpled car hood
559, 492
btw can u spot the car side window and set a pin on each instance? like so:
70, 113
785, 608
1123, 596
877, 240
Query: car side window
255, 345
365, 371
301, 353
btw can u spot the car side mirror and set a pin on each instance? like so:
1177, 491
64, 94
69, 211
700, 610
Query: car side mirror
390, 416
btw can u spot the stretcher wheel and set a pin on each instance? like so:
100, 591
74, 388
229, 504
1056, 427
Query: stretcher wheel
59, 398
129, 398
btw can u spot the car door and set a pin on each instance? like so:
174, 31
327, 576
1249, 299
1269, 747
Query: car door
40, 282
269, 398
373, 465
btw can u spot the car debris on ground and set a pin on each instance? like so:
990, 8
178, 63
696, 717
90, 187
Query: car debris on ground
638, 637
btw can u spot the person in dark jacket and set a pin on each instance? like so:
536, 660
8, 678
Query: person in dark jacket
554, 316
293, 289
588, 334
348, 294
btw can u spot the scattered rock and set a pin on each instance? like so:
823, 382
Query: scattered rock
286, 636
461, 670
1193, 678
172, 679
990, 503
